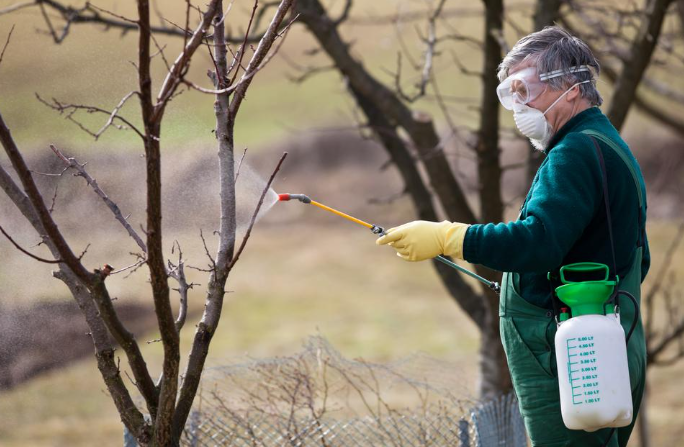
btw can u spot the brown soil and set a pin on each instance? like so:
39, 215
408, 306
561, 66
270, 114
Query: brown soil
51, 335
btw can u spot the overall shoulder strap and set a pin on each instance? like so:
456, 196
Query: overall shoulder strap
593, 134
606, 202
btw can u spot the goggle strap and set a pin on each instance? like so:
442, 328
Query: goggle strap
563, 71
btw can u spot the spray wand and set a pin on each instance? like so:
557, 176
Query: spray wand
380, 231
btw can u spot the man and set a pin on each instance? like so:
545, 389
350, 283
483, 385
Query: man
549, 82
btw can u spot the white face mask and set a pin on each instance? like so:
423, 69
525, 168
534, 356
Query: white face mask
533, 124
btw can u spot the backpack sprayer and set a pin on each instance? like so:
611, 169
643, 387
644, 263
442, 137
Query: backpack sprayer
591, 350
380, 231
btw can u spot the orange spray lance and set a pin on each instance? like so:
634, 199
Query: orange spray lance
380, 231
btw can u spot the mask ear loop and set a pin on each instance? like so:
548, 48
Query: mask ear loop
565, 93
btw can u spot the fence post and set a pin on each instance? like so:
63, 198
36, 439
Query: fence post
464, 432
128, 439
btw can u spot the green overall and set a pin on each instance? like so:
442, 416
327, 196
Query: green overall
527, 333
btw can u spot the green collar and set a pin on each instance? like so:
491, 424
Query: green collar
592, 113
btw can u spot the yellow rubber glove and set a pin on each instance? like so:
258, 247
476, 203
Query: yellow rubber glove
420, 239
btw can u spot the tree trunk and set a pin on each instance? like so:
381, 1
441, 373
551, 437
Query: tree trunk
546, 13
387, 114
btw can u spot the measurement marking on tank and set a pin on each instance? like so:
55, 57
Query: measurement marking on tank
584, 380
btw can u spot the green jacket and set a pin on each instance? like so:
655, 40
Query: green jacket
563, 218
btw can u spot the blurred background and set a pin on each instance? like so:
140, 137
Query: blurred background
304, 272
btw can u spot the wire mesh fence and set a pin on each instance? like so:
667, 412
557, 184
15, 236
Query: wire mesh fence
496, 423
319, 398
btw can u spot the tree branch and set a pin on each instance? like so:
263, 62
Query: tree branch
225, 119
177, 272
16, 7
180, 65
662, 116
9, 36
243, 48
81, 172
462, 293
66, 255
130, 415
27, 253
256, 212
71, 109
271, 34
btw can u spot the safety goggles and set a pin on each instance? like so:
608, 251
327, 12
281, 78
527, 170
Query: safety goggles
524, 86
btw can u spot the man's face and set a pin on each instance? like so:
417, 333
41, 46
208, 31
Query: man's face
545, 96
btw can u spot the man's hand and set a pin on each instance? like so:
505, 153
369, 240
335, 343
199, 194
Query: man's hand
420, 239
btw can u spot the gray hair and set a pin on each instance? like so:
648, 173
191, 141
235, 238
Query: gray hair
551, 49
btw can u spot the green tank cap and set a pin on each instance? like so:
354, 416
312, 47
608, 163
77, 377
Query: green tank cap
585, 297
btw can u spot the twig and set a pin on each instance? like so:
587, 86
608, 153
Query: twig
114, 113
255, 64
72, 163
345, 13
9, 35
83, 253
245, 77
206, 250
307, 72
51, 29
431, 42
177, 272
660, 280
256, 212
125, 19
244, 44
54, 199
237, 171
187, 23
208, 90
49, 174
132, 266
70, 109
463, 68
16, 7
37, 258
160, 51
225, 13
175, 75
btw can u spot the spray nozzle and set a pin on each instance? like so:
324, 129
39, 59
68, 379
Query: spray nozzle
301, 197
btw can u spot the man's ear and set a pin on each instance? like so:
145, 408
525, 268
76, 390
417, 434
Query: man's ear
573, 93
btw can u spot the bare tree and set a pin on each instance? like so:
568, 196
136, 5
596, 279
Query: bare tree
166, 400
389, 112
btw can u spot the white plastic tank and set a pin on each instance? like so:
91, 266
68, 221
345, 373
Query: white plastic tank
593, 373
